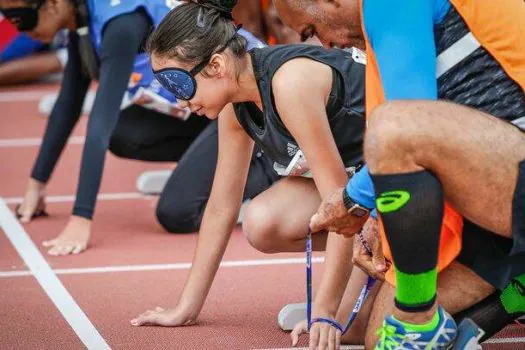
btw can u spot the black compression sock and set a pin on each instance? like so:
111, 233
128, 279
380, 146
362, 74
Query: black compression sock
489, 314
411, 207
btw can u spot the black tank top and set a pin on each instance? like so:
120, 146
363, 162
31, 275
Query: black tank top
345, 108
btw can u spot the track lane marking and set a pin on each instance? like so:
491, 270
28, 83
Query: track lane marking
71, 198
515, 340
18, 96
35, 141
163, 267
48, 280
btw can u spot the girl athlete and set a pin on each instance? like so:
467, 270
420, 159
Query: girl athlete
297, 102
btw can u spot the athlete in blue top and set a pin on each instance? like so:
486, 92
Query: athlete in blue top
105, 48
25, 60
111, 51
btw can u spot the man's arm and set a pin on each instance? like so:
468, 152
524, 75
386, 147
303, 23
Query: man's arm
404, 30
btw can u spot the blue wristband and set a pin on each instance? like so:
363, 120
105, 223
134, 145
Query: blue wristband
360, 189
331, 322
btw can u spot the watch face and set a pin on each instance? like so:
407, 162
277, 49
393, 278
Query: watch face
359, 212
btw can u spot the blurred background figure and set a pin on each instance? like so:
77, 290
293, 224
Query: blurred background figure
261, 19
25, 60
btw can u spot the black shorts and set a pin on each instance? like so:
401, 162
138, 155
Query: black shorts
488, 255
494, 258
518, 213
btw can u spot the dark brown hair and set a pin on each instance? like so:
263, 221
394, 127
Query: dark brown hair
195, 30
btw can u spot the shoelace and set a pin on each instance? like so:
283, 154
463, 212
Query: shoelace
390, 339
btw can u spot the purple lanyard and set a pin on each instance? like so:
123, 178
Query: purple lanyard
359, 303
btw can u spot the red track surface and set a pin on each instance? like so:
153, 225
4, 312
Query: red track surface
242, 307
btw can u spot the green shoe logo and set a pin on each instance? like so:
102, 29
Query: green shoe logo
391, 201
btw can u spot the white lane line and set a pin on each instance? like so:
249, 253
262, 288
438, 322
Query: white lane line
15, 273
49, 282
9, 143
15, 96
343, 347
160, 267
505, 340
71, 198
359, 347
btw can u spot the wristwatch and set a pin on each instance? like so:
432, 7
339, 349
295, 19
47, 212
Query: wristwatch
353, 208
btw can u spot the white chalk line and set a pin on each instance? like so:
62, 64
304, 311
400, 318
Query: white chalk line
49, 281
71, 198
32, 142
161, 267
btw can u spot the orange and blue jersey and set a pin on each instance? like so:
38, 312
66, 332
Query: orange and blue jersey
405, 41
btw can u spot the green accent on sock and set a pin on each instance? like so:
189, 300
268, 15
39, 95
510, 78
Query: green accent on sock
513, 297
426, 327
392, 201
414, 290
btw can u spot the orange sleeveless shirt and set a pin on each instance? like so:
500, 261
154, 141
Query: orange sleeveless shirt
499, 26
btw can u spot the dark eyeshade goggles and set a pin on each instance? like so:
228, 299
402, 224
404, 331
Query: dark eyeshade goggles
181, 82
23, 18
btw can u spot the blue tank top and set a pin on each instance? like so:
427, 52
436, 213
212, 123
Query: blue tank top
102, 11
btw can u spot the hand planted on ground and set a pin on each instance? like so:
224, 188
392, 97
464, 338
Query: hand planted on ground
324, 336
33, 202
300, 328
164, 317
73, 239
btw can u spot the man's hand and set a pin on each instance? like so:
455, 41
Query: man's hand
333, 216
375, 265
73, 239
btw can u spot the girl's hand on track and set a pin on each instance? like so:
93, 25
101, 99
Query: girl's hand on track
165, 317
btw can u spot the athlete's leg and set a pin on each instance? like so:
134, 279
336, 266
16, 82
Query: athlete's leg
277, 219
181, 206
458, 289
474, 156
428, 150
144, 134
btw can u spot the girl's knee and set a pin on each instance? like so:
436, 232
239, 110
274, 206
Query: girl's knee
260, 227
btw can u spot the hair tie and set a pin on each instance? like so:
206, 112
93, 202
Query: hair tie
223, 11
